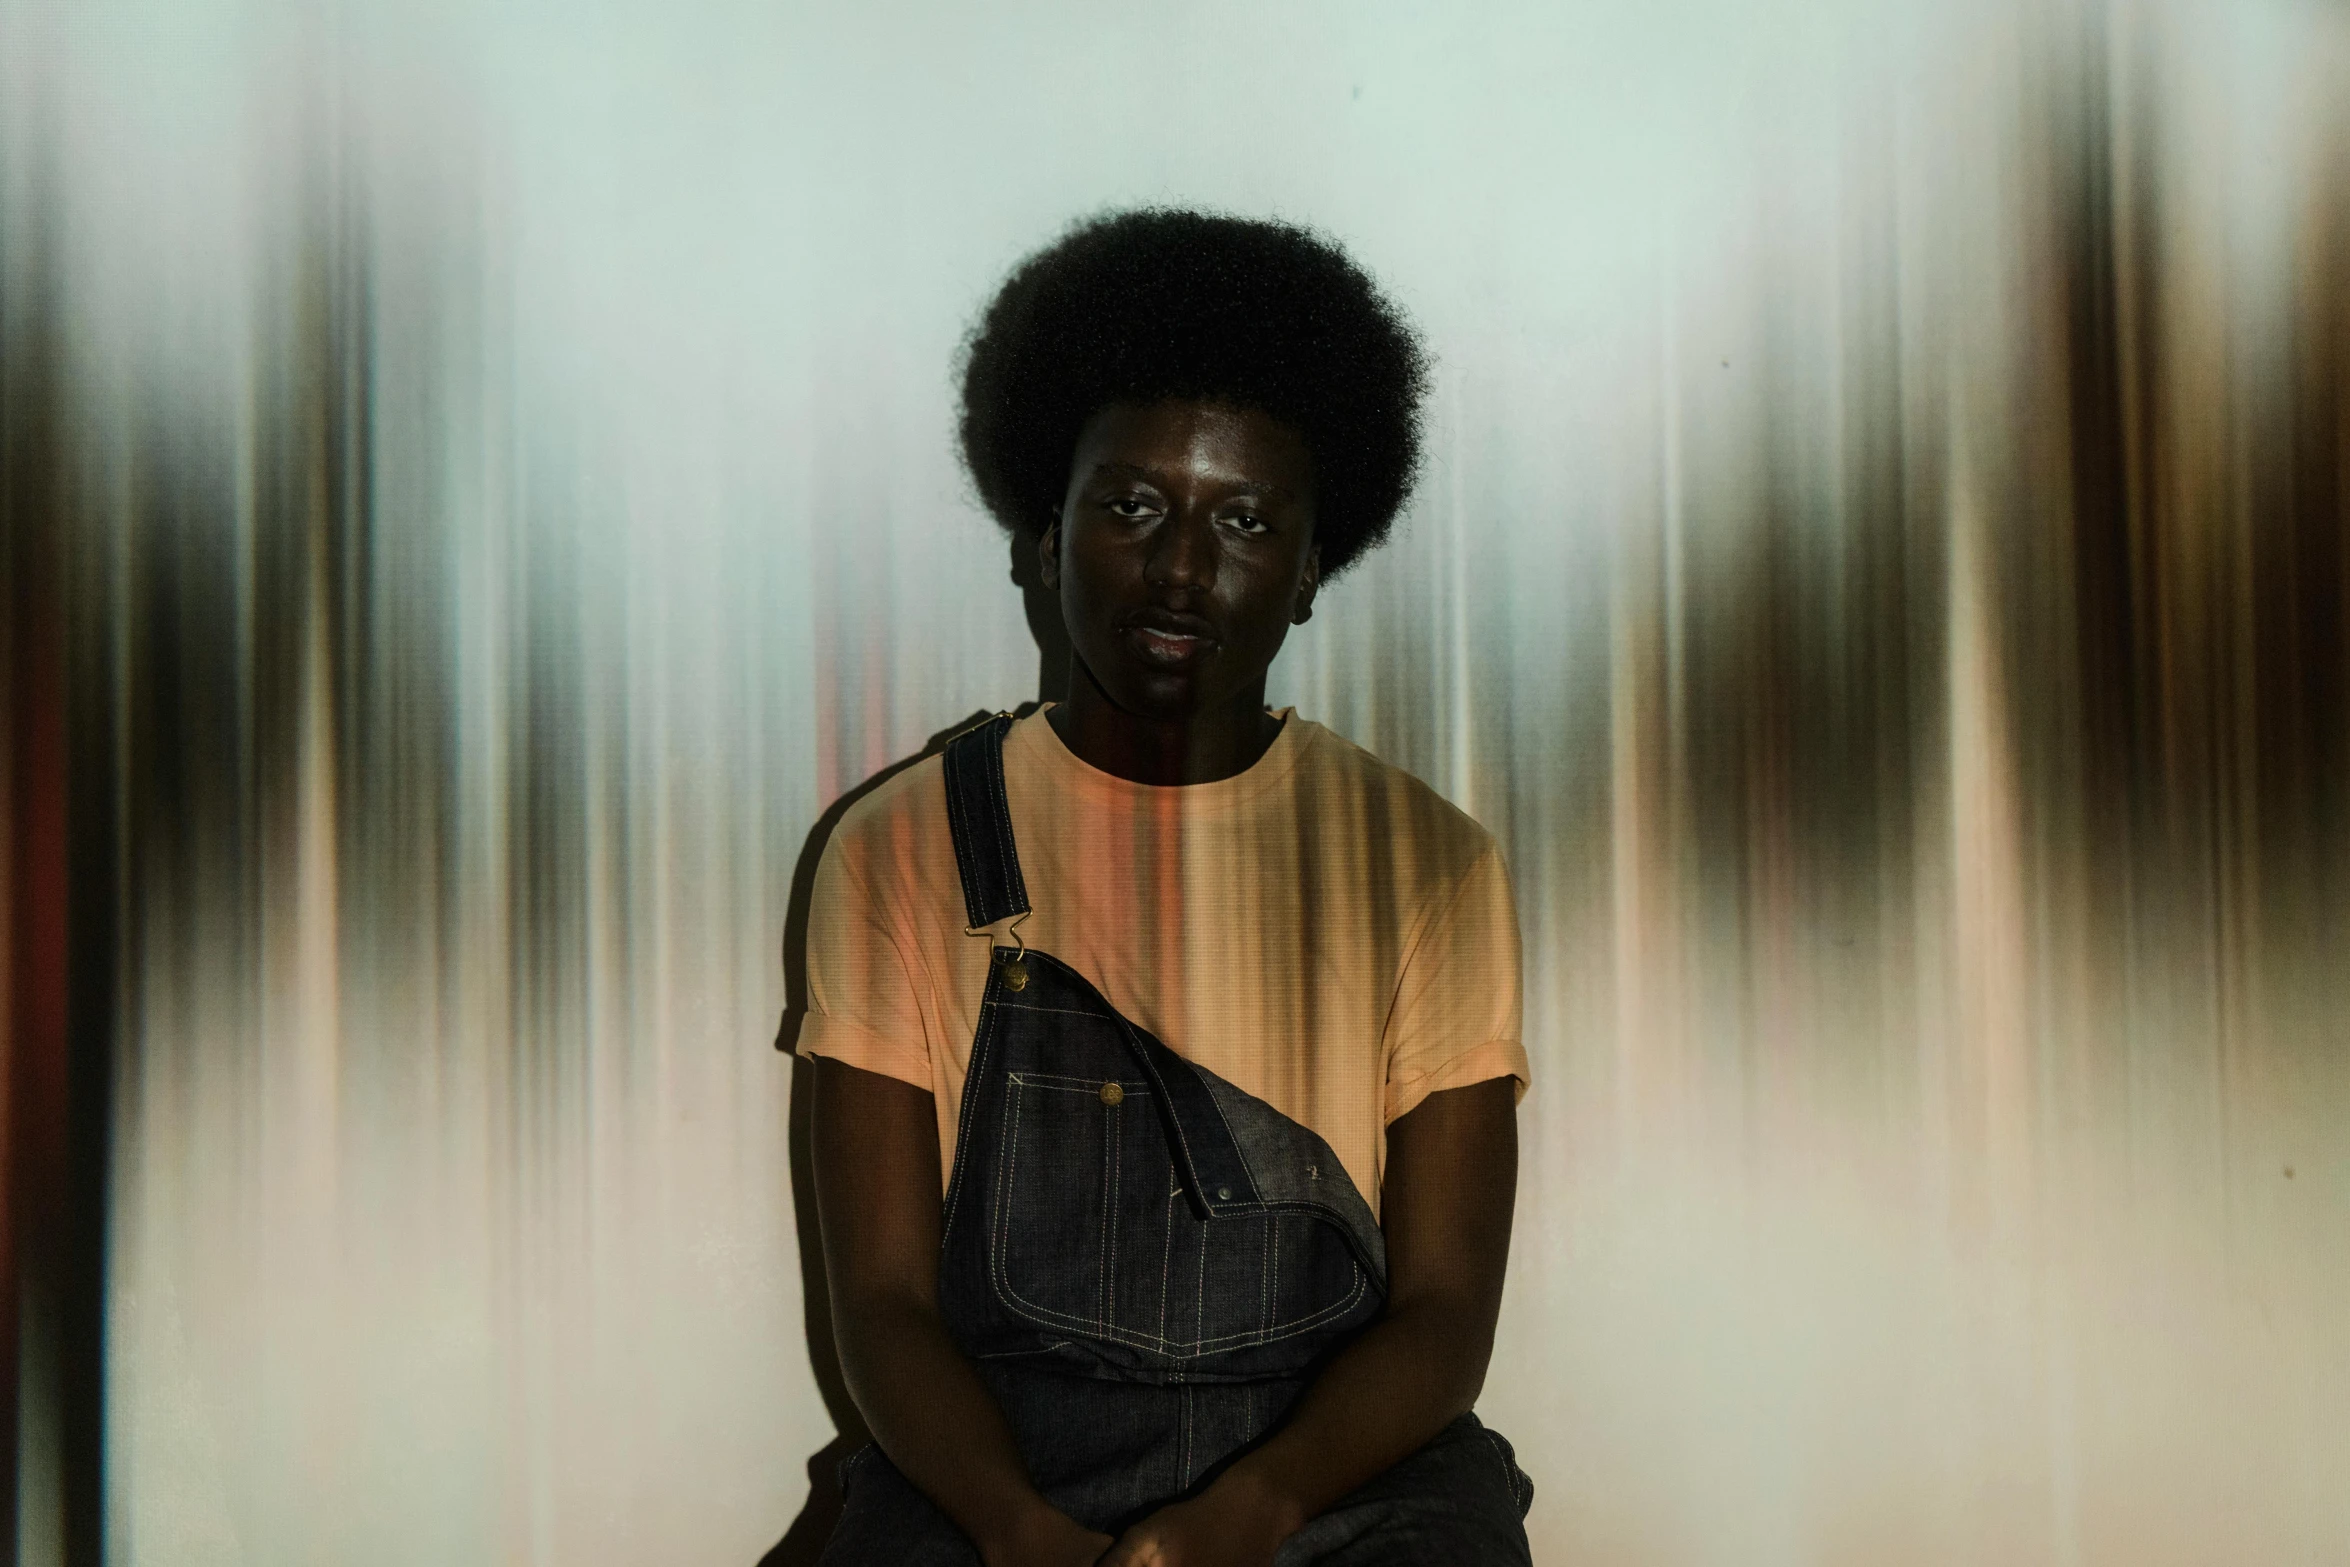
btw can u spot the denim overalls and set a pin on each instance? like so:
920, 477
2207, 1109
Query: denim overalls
1147, 1265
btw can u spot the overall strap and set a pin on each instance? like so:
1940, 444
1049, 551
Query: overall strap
981, 823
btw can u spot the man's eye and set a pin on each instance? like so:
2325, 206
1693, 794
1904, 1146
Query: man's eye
1247, 522
1130, 506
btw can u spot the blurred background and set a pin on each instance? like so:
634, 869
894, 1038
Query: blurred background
476, 489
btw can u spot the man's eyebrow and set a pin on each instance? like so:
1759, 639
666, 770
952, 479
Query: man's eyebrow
1127, 470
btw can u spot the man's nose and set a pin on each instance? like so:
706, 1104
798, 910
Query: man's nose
1183, 556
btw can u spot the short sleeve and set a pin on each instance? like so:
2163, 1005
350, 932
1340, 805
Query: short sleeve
1458, 1006
863, 1007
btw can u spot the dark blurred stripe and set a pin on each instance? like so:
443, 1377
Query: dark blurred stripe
62, 958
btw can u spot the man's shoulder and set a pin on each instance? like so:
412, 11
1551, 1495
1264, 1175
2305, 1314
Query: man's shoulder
914, 787
891, 817
1339, 772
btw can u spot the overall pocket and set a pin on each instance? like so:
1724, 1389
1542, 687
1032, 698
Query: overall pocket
1094, 1236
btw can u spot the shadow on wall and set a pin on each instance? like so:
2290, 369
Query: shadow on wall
804, 1541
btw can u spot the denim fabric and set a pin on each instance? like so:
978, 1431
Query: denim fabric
1147, 1265
1460, 1501
1457, 1502
1119, 1211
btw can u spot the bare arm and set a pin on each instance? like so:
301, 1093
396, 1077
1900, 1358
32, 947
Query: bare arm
1452, 1171
877, 1197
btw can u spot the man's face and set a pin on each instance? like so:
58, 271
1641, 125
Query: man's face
1184, 553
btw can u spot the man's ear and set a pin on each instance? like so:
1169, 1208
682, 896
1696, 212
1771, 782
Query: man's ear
1048, 555
1308, 581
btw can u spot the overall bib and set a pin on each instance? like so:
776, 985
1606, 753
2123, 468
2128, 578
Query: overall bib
1147, 1266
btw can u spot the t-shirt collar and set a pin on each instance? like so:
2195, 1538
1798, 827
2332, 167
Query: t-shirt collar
1069, 771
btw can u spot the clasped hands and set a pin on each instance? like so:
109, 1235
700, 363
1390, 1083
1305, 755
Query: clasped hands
1231, 1524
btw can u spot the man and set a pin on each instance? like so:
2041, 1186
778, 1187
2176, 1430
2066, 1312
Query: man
1168, 1046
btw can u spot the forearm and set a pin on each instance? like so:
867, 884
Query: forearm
937, 1421
1378, 1401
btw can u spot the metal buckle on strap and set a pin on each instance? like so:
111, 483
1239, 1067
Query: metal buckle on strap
1015, 966
1012, 930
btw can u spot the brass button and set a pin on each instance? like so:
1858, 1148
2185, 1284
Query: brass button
1223, 1194
1015, 975
1113, 1093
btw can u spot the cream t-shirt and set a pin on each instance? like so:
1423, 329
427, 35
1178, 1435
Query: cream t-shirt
1323, 930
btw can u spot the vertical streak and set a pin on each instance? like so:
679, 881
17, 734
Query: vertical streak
37, 912
1462, 711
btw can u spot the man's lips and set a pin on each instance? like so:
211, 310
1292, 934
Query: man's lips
1170, 640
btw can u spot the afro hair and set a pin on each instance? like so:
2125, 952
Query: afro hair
1145, 306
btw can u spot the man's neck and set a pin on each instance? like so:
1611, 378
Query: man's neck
1199, 748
